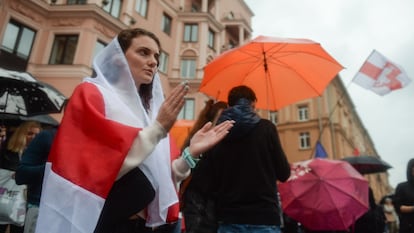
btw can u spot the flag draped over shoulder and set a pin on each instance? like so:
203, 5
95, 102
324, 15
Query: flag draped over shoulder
380, 75
320, 151
101, 122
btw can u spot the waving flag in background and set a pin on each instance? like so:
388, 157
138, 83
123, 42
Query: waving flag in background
320, 151
380, 75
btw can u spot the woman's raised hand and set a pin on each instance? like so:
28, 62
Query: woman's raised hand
171, 106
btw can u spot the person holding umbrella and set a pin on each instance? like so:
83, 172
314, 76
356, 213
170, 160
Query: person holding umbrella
404, 200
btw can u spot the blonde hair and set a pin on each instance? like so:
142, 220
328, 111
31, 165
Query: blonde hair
17, 142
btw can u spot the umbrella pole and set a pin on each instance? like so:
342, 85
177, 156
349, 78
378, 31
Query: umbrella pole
266, 70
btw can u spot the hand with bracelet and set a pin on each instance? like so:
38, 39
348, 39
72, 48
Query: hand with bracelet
204, 139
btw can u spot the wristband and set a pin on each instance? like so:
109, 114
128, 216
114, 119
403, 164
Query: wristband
188, 158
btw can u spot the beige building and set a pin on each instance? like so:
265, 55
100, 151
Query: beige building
56, 41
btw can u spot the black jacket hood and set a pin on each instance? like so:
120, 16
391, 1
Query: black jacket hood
244, 116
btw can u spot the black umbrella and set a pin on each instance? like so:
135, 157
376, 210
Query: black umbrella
15, 120
367, 164
21, 94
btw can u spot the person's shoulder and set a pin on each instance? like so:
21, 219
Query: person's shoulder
266, 123
85, 87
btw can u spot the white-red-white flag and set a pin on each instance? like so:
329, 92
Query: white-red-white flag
380, 75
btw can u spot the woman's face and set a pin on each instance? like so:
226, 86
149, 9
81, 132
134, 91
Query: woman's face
142, 56
31, 134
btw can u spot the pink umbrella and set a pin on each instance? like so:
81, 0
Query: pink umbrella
324, 194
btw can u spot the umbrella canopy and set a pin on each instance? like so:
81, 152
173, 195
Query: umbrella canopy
280, 71
23, 95
15, 120
324, 194
367, 164
180, 130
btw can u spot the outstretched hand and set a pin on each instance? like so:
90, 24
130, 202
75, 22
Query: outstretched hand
208, 136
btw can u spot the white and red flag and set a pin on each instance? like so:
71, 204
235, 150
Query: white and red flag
380, 75
96, 140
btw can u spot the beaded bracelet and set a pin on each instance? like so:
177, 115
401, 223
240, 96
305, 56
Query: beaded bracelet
188, 158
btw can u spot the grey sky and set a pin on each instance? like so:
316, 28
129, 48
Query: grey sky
349, 30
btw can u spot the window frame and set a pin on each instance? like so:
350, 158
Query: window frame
18, 40
211, 38
303, 113
190, 33
110, 8
188, 108
139, 7
304, 140
163, 62
61, 59
166, 23
76, 2
273, 117
187, 71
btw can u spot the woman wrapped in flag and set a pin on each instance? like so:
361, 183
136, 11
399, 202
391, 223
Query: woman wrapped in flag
110, 168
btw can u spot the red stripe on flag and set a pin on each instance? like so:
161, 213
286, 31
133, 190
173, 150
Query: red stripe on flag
392, 76
370, 70
84, 152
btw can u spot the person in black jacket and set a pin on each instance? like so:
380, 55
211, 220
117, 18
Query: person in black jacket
373, 221
404, 200
246, 166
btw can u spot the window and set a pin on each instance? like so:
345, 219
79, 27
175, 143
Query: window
303, 113
190, 32
304, 140
163, 67
63, 50
166, 23
74, 2
141, 7
113, 7
18, 39
188, 68
273, 117
98, 47
187, 112
210, 38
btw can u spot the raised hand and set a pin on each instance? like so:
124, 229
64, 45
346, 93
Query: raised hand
208, 136
171, 106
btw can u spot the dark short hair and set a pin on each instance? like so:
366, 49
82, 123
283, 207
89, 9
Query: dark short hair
239, 92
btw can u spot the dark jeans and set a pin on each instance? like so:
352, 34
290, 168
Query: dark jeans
246, 228
198, 213
138, 226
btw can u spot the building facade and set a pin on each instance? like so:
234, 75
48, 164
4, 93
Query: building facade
56, 41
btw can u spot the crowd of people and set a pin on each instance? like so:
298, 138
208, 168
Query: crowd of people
111, 166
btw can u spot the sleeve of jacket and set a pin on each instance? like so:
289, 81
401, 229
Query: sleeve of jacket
32, 164
282, 164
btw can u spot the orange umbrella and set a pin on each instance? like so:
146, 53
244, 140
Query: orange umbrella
180, 131
281, 71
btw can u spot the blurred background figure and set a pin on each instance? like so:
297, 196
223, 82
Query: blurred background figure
11, 154
391, 217
30, 172
404, 201
197, 206
3, 135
